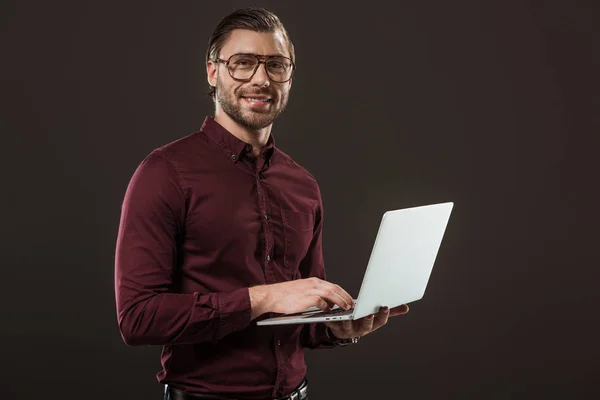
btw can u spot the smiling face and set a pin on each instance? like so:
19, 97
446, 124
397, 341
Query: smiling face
256, 103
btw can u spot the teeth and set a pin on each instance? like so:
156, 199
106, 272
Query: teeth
254, 99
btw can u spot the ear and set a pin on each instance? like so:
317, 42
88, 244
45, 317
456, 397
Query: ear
211, 73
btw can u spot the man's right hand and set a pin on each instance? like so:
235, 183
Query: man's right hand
297, 296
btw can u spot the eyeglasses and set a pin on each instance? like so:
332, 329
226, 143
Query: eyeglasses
242, 67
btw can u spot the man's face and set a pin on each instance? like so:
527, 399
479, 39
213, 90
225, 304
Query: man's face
233, 96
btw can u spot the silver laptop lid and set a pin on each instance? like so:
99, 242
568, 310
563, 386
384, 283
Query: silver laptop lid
402, 258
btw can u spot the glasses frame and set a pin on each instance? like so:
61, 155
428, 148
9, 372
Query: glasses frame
260, 60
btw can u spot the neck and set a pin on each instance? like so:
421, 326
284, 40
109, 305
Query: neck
256, 137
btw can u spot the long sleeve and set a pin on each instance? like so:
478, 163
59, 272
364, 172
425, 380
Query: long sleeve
313, 335
147, 251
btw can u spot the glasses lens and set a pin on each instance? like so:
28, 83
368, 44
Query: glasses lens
279, 68
242, 66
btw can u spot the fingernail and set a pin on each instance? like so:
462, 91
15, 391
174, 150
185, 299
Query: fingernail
385, 309
371, 316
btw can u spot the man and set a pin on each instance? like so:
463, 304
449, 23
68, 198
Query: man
221, 228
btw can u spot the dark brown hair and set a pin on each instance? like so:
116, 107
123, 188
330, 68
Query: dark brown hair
253, 19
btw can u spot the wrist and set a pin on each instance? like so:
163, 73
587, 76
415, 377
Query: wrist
258, 300
337, 341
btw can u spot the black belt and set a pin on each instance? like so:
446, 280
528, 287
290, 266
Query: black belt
300, 393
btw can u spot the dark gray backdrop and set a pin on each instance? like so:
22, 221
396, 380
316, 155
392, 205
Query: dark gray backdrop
493, 105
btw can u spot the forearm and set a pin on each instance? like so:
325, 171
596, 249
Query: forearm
171, 318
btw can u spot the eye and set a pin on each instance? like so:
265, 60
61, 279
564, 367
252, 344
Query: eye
242, 61
276, 65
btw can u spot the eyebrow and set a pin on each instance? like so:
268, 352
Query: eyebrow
261, 55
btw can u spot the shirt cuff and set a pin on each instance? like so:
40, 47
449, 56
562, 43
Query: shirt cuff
317, 337
234, 311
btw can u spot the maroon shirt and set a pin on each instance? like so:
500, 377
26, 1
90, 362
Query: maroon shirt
202, 220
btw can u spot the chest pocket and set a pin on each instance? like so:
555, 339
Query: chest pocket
298, 233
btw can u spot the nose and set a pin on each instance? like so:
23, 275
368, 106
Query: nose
261, 78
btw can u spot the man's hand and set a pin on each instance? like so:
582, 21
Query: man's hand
297, 296
364, 326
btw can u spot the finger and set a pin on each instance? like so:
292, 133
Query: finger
366, 323
348, 326
329, 293
322, 304
341, 293
345, 295
333, 293
381, 318
329, 303
344, 302
400, 310
335, 325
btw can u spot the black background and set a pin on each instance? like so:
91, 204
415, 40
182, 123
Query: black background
490, 104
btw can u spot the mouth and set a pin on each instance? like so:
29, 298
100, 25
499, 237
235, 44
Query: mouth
260, 101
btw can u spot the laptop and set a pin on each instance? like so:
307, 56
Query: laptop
398, 270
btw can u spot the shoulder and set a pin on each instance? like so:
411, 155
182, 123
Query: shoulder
166, 162
181, 148
182, 153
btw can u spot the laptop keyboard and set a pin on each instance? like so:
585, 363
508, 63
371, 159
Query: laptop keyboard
337, 312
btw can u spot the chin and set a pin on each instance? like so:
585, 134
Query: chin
258, 123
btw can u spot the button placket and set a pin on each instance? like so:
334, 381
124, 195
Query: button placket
263, 209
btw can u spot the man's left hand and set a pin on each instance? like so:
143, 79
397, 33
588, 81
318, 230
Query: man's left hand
364, 326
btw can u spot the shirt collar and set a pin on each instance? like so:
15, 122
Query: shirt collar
232, 146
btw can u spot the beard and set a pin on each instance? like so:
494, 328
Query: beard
249, 118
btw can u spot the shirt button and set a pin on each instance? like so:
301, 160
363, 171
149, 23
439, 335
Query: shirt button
266, 216
279, 343
233, 157
269, 257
